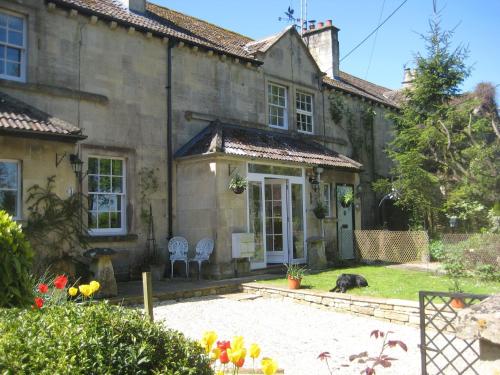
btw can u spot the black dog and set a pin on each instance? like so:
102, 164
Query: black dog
348, 281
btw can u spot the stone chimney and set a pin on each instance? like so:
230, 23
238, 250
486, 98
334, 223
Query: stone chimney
137, 6
323, 43
409, 75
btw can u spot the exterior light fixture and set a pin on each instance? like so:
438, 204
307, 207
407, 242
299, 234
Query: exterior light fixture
453, 222
77, 165
314, 183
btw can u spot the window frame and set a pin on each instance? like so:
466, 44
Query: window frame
18, 215
303, 112
328, 203
285, 108
123, 214
23, 49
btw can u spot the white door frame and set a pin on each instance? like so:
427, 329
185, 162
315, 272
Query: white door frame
261, 177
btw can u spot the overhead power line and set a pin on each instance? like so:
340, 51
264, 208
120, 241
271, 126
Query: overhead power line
374, 31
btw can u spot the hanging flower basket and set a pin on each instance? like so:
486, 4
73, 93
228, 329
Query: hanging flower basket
347, 199
238, 184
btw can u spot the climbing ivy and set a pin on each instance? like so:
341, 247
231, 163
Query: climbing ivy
148, 185
337, 107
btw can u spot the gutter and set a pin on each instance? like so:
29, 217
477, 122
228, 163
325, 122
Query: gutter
169, 145
69, 138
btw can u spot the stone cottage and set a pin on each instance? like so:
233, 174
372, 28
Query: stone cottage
164, 109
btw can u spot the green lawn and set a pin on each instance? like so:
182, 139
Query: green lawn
390, 283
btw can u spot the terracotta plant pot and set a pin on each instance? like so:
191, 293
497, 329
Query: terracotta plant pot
457, 303
293, 283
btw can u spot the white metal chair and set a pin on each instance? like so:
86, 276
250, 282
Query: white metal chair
204, 248
178, 250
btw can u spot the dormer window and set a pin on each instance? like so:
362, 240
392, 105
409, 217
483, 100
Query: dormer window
12, 46
304, 105
277, 104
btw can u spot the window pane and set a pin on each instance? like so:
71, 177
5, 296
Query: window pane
16, 38
117, 167
107, 202
2, 66
92, 199
3, 35
103, 220
3, 20
104, 184
116, 220
93, 166
92, 220
8, 201
13, 54
16, 23
93, 181
117, 185
8, 175
297, 222
13, 69
255, 215
105, 166
278, 226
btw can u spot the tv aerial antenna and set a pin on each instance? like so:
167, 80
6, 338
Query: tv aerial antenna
299, 22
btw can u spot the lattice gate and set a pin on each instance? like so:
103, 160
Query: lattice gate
441, 351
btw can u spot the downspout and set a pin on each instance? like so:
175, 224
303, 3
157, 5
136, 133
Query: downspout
169, 140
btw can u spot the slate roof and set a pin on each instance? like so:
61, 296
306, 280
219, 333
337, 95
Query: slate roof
163, 21
17, 117
263, 144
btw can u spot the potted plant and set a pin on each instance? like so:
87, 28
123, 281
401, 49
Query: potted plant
321, 210
238, 184
347, 199
456, 302
294, 274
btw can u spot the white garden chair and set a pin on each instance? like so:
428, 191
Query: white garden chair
204, 248
178, 250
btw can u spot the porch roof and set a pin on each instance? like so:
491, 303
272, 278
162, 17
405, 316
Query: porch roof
22, 119
255, 143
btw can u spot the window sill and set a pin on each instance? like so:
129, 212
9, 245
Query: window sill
112, 238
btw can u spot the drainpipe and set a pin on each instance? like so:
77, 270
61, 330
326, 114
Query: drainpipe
169, 140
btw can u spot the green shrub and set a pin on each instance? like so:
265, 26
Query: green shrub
15, 264
436, 249
487, 272
93, 339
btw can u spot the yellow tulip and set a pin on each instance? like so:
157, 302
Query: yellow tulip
85, 289
95, 286
220, 372
72, 291
269, 366
215, 354
236, 355
208, 340
254, 351
237, 343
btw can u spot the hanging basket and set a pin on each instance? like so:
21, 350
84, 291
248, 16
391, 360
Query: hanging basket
238, 190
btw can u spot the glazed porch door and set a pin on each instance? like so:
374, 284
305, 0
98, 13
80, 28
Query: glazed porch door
276, 220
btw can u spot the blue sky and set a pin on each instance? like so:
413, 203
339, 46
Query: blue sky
476, 23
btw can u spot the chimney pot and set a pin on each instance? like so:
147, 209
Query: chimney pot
320, 25
304, 29
311, 26
328, 22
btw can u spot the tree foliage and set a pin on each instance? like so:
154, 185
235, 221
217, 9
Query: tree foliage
446, 147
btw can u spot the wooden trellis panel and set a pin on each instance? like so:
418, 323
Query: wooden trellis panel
392, 246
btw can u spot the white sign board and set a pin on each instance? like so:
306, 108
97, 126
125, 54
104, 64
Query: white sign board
243, 245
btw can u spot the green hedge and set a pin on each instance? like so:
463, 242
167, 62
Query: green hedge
93, 339
16, 258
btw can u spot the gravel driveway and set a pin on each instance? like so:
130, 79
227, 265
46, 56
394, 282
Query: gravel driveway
292, 333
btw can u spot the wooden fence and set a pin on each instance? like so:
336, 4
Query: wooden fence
392, 246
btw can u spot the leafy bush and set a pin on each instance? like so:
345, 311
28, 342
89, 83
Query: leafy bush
487, 272
93, 339
15, 264
436, 249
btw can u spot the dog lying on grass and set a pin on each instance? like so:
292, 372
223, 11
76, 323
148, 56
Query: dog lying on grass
348, 281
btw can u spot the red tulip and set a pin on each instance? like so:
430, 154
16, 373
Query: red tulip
43, 288
241, 362
38, 302
223, 357
223, 345
60, 281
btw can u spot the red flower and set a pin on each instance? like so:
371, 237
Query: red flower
223, 357
60, 281
223, 345
43, 288
241, 362
38, 302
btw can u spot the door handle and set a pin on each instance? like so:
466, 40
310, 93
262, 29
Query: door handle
345, 226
